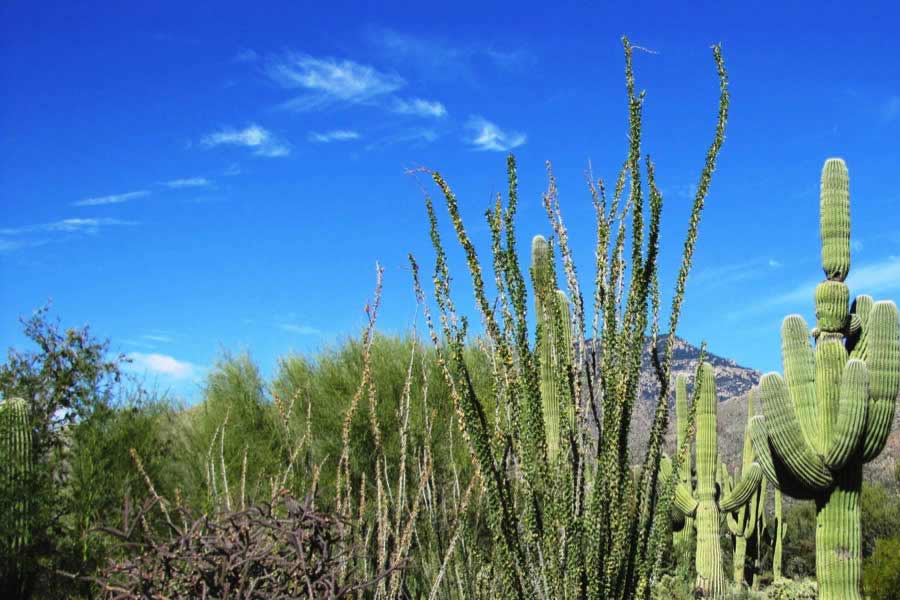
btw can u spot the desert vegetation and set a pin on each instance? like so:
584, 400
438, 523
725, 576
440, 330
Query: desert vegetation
473, 460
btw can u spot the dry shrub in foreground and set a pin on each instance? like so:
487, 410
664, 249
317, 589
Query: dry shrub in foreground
285, 549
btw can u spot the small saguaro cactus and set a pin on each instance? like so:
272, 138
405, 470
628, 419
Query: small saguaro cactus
707, 503
554, 343
746, 522
780, 529
833, 409
15, 509
683, 538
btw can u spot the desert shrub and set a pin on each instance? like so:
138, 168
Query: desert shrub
800, 540
881, 571
272, 551
880, 515
790, 589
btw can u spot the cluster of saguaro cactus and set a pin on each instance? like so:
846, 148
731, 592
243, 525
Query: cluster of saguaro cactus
15, 470
707, 503
833, 409
554, 344
748, 522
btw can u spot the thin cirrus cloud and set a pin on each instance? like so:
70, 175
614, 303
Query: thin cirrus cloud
874, 279
162, 364
188, 182
488, 136
299, 329
112, 198
337, 135
259, 139
328, 81
67, 226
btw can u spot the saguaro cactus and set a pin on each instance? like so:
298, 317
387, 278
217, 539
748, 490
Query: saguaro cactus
832, 411
780, 528
554, 341
15, 510
707, 504
746, 522
683, 538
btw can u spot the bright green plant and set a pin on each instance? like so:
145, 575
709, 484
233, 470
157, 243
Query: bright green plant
554, 345
882, 577
549, 537
706, 504
832, 412
749, 519
15, 504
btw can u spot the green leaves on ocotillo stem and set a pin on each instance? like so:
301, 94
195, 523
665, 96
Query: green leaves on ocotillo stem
883, 362
851, 419
784, 431
800, 373
835, 219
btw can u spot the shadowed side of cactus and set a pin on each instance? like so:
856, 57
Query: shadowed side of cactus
833, 409
554, 342
15, 470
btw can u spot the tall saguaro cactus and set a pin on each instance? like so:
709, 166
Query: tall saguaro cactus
833, 409
554, 341
708, 503
15, 511
683, 539
745, 523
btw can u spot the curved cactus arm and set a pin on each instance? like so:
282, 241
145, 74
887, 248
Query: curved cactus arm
744, 490
831, 356
684, 501
787, 437
773, 467
857, 341
851, 419
733, 526
800, 372
883, 362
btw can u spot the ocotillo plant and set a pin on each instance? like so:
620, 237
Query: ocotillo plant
832, 411
554, 344
549, 538
708, 502
15, 510
780, 530
744, 524
683, 539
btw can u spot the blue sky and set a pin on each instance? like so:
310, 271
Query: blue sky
194, 178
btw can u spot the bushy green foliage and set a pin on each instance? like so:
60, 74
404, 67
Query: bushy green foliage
881, 572
790, 589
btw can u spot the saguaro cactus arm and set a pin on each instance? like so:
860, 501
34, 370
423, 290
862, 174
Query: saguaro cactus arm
883, 362
744, 490
851, 418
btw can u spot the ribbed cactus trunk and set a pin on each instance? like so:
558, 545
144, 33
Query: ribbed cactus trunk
15, 471
833, 410
710, 571
683, 539
744, 525
779, 537
554, 342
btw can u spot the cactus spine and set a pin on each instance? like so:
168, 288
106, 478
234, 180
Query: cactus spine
15, 472
833, 409
745, 523
707, 504
554, 341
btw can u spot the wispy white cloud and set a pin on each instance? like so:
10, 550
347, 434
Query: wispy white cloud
874, 279
416, 136
724, 275
299, 329
188, 182
337, 135
890, 109
261, 140
419, 107
112, 198
163, 364
328, 80
76, 225
488, 136
775, 264
155, 337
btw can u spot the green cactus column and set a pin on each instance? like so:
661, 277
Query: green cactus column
554, 342
684, 538
15, 469
832, 411
779, 537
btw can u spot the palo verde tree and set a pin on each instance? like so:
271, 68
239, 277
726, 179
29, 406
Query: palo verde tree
832, 411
